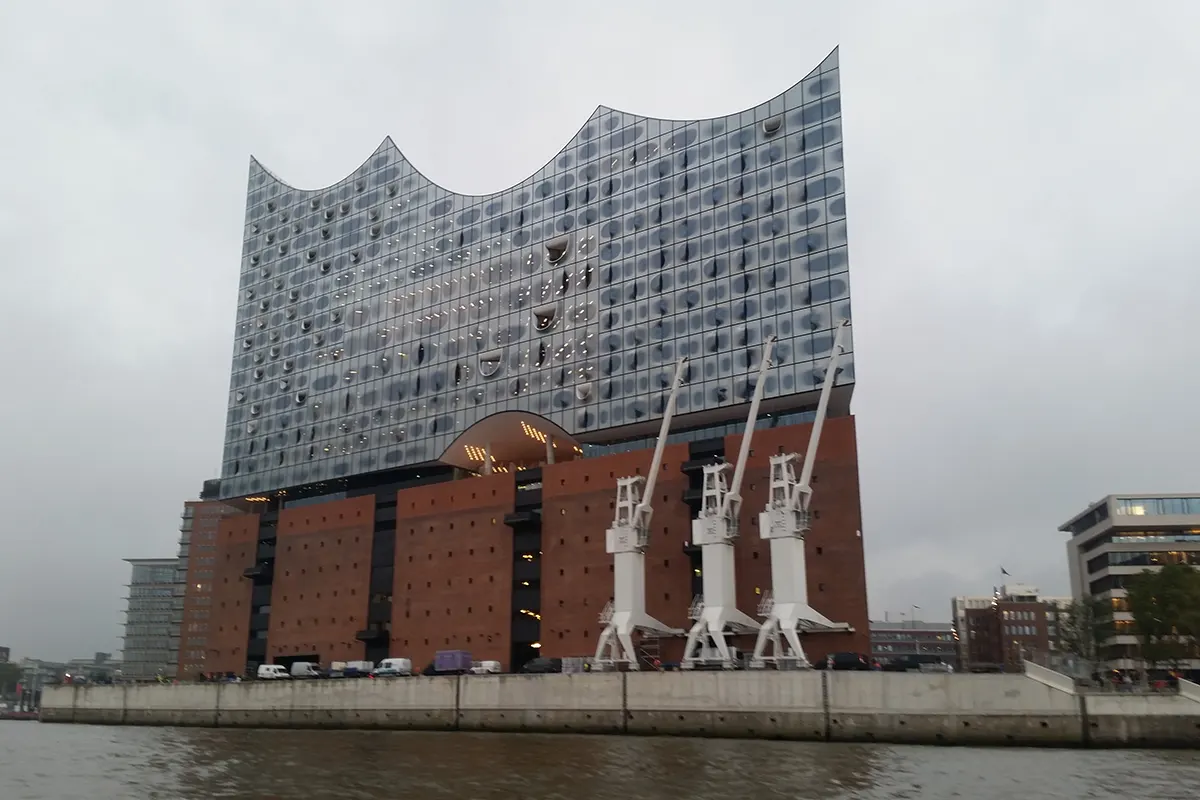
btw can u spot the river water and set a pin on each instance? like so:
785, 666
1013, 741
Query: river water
66, 762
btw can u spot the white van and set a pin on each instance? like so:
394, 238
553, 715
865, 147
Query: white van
272, 672
393, 668
305, 669
485, 668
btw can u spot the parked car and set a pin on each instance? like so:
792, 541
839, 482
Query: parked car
845, 661
358, 669
305, 669
485, 668
393, 668
902, 664
541, 666
272, 672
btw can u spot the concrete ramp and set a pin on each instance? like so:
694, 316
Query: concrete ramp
1048, 677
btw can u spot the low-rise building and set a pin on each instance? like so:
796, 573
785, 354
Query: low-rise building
998, 633
1120, 536
915, 641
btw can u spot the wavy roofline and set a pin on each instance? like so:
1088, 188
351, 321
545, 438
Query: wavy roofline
387, 140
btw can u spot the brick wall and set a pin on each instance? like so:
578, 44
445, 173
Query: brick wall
577, 579
319, 595
236, 542
453, 572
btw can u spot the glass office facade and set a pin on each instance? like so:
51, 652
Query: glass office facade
381, 317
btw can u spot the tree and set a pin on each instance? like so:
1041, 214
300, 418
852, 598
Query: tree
1165, 606
1083, 626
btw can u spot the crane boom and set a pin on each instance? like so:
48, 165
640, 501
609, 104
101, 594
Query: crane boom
644, 508
733, 497
814, 438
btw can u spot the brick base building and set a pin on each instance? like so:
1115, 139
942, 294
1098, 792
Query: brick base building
509, 565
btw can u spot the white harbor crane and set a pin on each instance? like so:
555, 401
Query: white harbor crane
714, 531
627, 541
784, 524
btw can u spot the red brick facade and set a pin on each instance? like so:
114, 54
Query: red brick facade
452, 578
322, 566
229, 627
453, 572
198, 614
837, 579
577, 580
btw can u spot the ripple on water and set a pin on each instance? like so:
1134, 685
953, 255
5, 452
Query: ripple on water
50, 762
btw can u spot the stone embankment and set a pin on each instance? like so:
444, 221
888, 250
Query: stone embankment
1038, 708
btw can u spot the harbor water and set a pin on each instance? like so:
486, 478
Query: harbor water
61, 762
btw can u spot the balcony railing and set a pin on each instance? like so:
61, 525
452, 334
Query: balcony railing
372, 635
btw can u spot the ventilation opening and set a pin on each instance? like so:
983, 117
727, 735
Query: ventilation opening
583, 392
306, 325
556, 251
326, 267
301, 397
489, 363
288, 364
545, 317
255, 409
771, 126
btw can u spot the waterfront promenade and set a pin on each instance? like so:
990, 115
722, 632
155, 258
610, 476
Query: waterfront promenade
1038, 708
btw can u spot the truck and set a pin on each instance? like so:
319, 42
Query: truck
452, 662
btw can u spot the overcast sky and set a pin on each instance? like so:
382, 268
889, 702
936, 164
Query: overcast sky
1023, 185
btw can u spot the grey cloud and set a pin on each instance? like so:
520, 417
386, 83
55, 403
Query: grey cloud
1022, 184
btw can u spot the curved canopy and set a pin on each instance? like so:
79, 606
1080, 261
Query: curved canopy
512, 439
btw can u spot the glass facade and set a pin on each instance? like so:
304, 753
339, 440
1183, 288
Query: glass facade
381, 317
1157, 506
150, 635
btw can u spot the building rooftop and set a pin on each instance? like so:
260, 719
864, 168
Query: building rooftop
917, 625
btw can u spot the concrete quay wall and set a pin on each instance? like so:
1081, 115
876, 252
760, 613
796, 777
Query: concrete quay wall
1038, 708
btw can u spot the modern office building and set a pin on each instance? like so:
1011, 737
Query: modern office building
1015, 624
146, 651
1123, 535
915, 641
433, 395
